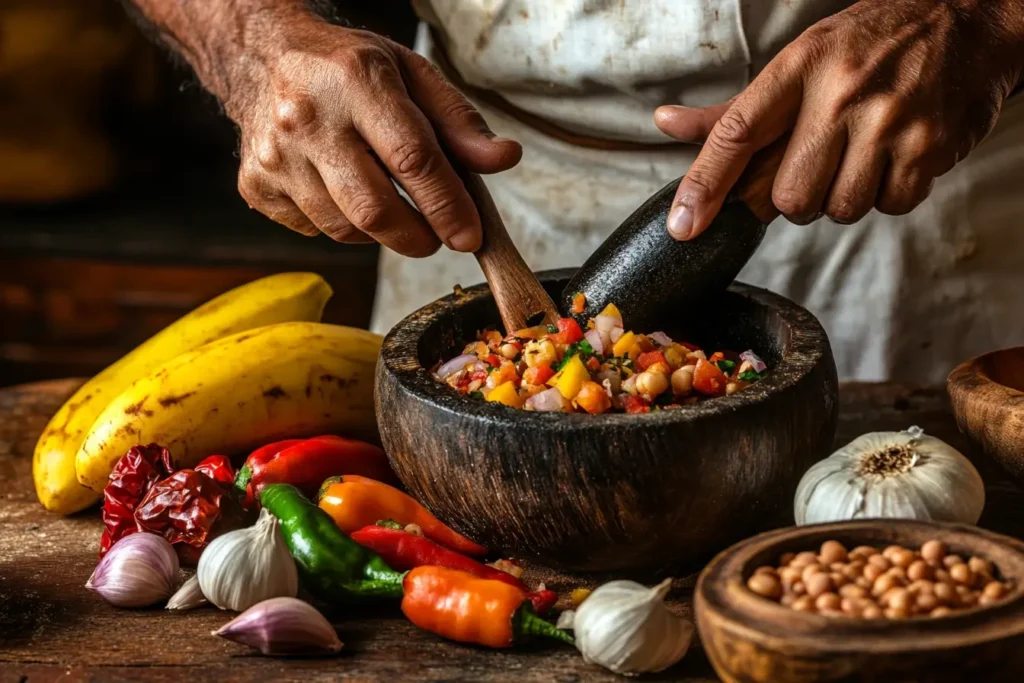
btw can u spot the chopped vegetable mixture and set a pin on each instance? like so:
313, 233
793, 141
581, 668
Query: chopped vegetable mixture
603, 369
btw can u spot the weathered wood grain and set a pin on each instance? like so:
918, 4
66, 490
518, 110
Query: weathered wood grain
52, 628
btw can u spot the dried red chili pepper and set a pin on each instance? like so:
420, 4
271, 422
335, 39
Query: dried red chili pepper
217, 467
132, 477
183, 508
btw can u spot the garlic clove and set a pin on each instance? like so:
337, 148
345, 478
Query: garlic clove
626, 627
282, 626
189, 596
246, 566
138, 571
566, 620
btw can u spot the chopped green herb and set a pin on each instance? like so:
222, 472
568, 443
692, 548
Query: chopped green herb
750, 376
491, 368
582, 348
726, 366
476, 394
552, 329
389, 524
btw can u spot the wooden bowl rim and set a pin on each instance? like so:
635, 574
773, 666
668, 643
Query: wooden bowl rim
400, 358
974, 369
721, 589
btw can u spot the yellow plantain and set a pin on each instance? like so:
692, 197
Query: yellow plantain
278, 298
238, 393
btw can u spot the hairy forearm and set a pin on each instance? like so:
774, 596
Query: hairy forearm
226, 42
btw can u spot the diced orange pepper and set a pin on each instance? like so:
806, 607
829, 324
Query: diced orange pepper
570, 378
538, 374
506, 394
593, 398
626, 346
612, 310
579, 302
708, 379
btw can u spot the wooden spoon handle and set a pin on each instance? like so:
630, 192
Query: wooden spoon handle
521, 299
755, 185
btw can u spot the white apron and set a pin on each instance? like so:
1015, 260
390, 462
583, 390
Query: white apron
902, 298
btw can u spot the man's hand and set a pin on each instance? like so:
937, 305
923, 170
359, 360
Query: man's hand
880, 100
331, 116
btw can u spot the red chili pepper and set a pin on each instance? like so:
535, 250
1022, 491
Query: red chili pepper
217, 467
542, 600
132, 477
305, 464
462, 607
569, 332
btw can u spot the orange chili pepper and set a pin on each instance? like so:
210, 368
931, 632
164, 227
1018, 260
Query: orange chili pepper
354, 502
461, 607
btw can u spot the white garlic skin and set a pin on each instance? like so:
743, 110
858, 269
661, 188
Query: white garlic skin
625, 627
247, 566
138, 571
282, 626
941, 484
188, 596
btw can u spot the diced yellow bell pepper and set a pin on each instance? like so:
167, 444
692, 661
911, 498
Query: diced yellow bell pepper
573, 375
627, 346
505, 393
612, 310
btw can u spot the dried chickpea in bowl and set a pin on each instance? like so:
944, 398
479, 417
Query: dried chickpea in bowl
893, 582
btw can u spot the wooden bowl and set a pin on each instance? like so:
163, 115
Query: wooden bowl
633, 494
749, 638
988, 401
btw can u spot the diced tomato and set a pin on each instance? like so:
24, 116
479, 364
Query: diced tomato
538, 374
708, 379
579, 302
646, 360
593, 364
491, 359
717, 356
569, 332
506, 373
636, 404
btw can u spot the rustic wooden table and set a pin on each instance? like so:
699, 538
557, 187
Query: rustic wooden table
51, 627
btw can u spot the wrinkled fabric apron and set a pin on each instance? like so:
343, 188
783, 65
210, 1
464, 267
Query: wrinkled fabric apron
902, 298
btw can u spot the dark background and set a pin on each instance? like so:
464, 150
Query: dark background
118, 206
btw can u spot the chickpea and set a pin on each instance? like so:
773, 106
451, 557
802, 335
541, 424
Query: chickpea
897, 598
880, 561
871, 612
942, 576
854, 570
789, 575
919, 570
985, 601
508, 351
895, 613
980, 567
651, 383
803, 559
765, 570
787, 599
810, 570
731, 388
962, 574
786, 557
540, 353
950, 560
940, 612
902, 558
853, 591
944, 593
926, 602
798, 588
970, 598
872, 572
682, 384
897, 573
921, 586
933, 551
838, 580
803, 604
828, 602
993, 590
883, 584
864, 582
850, 607
862, 552
832, 551
765, 585
890, 551
818, 584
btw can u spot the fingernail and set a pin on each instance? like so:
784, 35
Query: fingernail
680, 222
490, 135
464, 241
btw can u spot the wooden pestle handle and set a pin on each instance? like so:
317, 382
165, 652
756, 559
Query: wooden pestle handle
521, 299
755, 185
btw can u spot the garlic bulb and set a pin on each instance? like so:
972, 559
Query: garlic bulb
246, 566
189, 596
139, 570
282, 626
626, 627
897, 475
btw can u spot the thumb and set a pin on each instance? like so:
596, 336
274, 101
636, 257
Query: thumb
689, 124
460, 128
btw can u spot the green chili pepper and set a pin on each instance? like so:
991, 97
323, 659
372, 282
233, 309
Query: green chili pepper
331, 565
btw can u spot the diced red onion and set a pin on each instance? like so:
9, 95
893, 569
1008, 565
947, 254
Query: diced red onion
614, 380
454, 365
615, 334
547, 401
606, 323
661, 339
752, 358
594, 337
